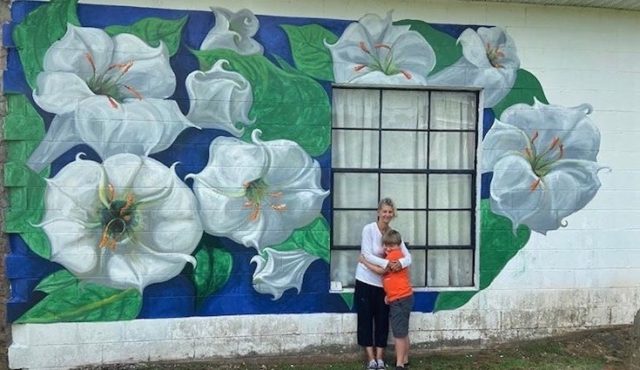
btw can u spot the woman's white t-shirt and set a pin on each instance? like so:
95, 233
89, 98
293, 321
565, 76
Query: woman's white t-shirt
371, 248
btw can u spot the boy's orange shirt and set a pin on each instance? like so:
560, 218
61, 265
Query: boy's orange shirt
396, 284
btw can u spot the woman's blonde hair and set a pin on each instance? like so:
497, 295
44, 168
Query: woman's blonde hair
388, 202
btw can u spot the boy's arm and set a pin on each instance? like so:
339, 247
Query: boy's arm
373, 267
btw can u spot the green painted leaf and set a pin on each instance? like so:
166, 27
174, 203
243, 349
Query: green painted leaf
56, 281
313, 239
23, 131
212, 270
348, 299
285, 65
309, 51
82, 301
285, 105
498, 244
525, 88
41, 28
445, 47
154, 30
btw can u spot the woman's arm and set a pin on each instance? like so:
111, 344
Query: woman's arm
406, 260
366, 247
375, 268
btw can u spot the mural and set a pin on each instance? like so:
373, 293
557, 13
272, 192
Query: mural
170, 163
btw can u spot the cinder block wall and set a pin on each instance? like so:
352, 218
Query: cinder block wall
585, 275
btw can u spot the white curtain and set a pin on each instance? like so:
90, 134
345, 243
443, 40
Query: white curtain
451, 150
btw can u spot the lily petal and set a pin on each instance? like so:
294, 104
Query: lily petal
516, 192
233, 31
279, 271
60, 137
219, 99
82, 51
501, 139
136, 126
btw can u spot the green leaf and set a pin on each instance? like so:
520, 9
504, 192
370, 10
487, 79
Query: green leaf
212, 270
309, 51
285, 105
80, 301
41, 28
23, 131
313, 239
498, 244
285, 65
525, 89
154, 30
56, 281
348, 299
445, 47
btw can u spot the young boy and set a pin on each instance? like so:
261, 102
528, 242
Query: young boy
399, 295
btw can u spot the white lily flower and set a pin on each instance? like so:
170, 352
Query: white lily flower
233, 31
490, 60
373, 50
543, 159
107, 92
257, 193
126, 223
280, 270
219, 99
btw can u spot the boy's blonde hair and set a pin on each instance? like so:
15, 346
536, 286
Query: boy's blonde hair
391, 237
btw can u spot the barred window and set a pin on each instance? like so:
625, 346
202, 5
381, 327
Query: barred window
419, 147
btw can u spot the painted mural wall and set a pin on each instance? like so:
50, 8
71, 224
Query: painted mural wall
175, 163
166, 163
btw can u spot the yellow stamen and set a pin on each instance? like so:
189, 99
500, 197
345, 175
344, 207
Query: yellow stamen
534, 184
535, 136
133, 91
114, 103
89, 58
128, 204
279, 207
112, 193
382, 46
359, 67
255, 213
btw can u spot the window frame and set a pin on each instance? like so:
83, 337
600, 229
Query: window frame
475, 173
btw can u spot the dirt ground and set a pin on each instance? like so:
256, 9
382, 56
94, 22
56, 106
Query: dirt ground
607, 349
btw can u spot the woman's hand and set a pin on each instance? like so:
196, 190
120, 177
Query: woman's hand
395, 266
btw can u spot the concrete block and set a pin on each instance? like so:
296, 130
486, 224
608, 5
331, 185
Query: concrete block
215, 347
145, 330
168, 350
263, 345
101, 332
125, 352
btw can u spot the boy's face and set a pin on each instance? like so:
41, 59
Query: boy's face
390, 247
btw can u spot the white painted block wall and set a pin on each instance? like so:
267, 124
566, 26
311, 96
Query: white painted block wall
583, 276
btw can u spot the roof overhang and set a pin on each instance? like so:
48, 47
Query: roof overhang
610, 4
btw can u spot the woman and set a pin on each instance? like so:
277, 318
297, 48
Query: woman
373, 313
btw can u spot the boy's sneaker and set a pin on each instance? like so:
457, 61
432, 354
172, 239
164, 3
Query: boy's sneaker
381, 364
400, 368
373, 365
